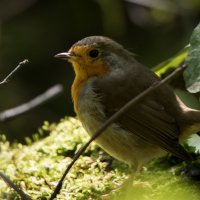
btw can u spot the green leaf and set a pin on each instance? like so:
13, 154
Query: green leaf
172, 62
192, 73
195, 142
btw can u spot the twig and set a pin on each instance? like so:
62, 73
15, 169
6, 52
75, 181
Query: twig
37, 101
102, 128
13, 71
23, 195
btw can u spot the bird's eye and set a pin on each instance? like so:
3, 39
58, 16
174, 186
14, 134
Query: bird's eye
94, 53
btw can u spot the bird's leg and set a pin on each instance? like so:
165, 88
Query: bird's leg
121, 188
127, 185
131, 183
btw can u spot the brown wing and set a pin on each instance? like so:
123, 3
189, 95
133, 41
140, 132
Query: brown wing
155, 127
148, 119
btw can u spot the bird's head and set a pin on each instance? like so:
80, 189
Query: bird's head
94, 56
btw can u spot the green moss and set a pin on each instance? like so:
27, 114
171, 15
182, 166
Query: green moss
37, 166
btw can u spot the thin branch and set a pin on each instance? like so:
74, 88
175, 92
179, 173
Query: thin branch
23, 195
13, 71
37, 101
13, 112
115, 116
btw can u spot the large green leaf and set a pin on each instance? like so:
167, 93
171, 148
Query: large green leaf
172, 62
192, 73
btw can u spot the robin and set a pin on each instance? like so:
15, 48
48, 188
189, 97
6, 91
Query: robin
107, 76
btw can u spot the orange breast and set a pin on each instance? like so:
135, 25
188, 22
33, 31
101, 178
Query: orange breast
76, 88
83, 73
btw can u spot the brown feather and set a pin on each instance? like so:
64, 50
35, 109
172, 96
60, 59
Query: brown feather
149, 119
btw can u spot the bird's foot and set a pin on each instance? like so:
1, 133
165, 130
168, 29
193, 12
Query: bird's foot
125, 188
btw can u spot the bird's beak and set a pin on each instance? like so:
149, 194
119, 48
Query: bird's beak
65, 55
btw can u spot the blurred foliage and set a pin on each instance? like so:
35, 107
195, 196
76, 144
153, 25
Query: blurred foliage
192, 73
37, 167
37, 30
171, 63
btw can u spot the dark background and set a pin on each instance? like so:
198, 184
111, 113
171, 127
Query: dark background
37, 30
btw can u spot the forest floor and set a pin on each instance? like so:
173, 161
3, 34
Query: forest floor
37, 166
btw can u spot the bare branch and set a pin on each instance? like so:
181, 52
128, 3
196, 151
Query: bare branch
13, 71
104, 126
37, 101
23, 195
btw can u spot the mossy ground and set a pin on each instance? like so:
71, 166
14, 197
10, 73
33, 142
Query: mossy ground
37, 166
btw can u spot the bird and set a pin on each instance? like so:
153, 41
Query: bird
107, 76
